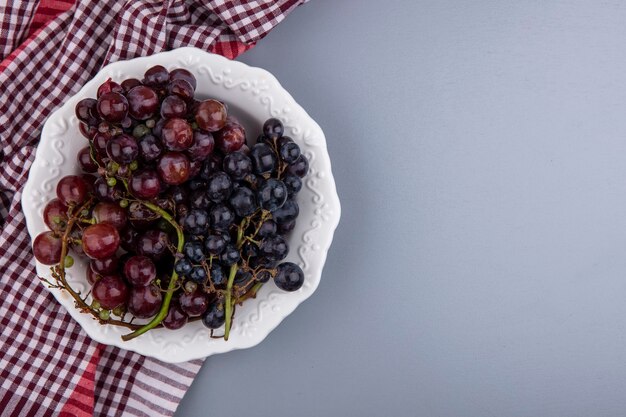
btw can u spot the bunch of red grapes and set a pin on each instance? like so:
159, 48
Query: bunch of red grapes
180, 219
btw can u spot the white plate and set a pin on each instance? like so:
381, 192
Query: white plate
254, 95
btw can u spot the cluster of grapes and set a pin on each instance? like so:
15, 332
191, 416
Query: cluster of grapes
182, 220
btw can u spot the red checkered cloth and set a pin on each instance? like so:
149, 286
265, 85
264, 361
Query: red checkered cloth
48, 50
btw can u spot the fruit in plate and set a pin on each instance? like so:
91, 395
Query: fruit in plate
181, 219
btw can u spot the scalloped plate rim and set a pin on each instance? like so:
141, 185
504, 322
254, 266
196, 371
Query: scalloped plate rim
329, 225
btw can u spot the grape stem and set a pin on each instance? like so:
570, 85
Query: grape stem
173, 280
229, 285
60, 273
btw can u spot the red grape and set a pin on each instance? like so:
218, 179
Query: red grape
156, 76
104, 266
100, 143
177, 135
72, 189
231, 138
194, 303
181, 88
122, 149
84, 160
47, 248
100, 240
194, 168
183, 74
143, 102
92, 276
86, 111
145, 302
139, 270
173, 106
113, 107
129, 83
145, 184
173, 167
109, 86
55, 215
153, 243
176, 317
107, 212
210, 115
110, 291
149, 148
203, 144
87, 131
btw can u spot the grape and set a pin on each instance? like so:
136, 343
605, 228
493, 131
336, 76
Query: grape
268, 228
141, 217
242, 278
72, 189
194, 168
219, 187
92, 276
86, 111
87, 131
110, 291
230, 255
113, 107
47, 248
199, 200
100, 143
211, 166
275, 247
221, 217
139, 270
104, 266
217, 275
293, 184
176, 317
109, 86
145, 184
173, 167
157, 130
210, 115
289, 211
194, 303
143, 102
215, 315
263, 158
173, 106
243, 201
203, 144
237, 165
263, 275
193, 252
198, 275
149, 148
153, 243
156, 76
107, 212
90, 180
230, 138
272, 194
196, 222
249, 250
183, 267
181, 88
128, 238
123, 149
84, 160
183, 74
287, 226
178, 194
289, 152
129, 83
215, 244
177, 134
289, 276
100, 240
273, 128
300, 167
104, 192
55, 215
144, 302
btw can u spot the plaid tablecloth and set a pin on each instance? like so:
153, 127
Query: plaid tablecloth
48, 50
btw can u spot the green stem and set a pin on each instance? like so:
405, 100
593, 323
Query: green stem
229, 285
172, 285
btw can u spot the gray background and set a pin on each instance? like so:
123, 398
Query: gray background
479, 269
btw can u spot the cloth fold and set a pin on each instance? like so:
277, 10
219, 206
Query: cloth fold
48, 50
